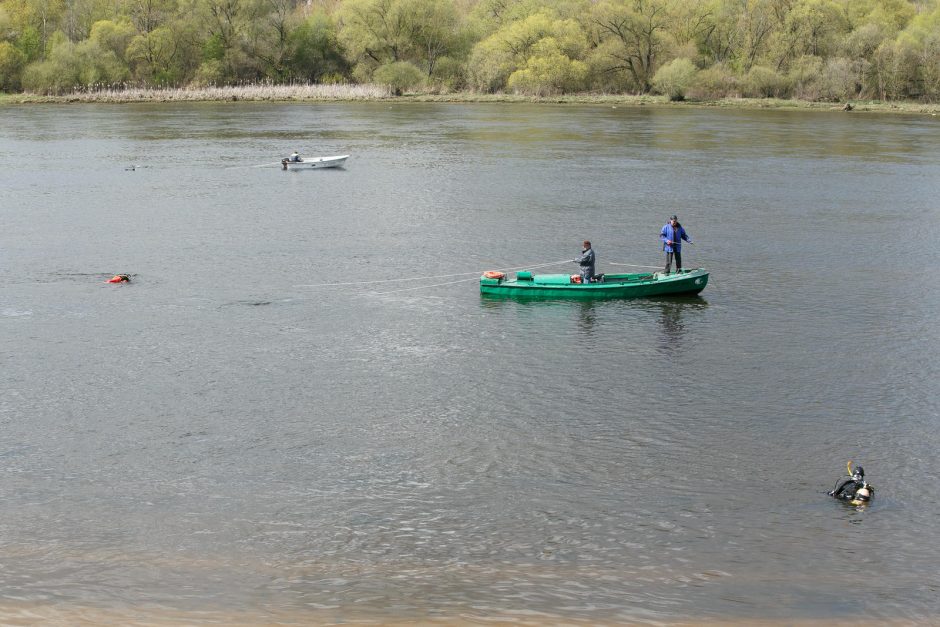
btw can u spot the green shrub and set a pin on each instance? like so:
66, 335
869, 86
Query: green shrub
763, 82
714, 82
549, 75
804, 77
675, 78
399, 76
210, 72
839, 80
449, 75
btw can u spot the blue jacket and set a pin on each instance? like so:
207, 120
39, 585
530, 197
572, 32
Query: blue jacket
675, 234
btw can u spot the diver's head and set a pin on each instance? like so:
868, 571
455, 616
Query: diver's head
863, 494
858, 474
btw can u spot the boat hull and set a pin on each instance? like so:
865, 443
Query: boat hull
315, 163
555, 286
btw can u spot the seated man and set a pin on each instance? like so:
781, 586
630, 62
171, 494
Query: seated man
295, 157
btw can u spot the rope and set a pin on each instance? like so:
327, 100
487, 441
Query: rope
438, 276
632, 265
421, 287
243, 167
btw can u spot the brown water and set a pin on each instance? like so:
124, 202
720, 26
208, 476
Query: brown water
225, 440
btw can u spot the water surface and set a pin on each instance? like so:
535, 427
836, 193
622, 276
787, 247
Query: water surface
228, 439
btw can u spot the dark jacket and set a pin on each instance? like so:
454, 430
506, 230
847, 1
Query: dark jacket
848, 489
586, 261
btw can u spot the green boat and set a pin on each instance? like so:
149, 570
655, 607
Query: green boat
609, 286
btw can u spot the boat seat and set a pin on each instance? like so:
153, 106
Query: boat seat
553, 279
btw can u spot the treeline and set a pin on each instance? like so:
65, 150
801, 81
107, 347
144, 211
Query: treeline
806, 49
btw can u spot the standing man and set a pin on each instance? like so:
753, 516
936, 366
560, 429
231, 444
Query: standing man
586, 261
672, 236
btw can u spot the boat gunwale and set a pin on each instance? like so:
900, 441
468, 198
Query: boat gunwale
686, 283
644, 279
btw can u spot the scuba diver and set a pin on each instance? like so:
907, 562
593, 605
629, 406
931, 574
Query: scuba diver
853, 489
119, 278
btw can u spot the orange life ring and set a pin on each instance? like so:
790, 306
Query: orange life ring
494, 274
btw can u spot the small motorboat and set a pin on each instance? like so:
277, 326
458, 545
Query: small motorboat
297, 163
609, 286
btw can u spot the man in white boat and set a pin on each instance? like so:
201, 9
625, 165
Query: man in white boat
672, 235
294, 158
586, 260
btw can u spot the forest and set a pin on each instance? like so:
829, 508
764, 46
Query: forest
816, 50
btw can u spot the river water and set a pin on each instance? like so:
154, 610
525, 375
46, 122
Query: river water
231, 440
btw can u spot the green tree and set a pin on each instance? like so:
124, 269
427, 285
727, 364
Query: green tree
380, 32
314, 50
548, 70
890, 16
719, 42
919, 50
113, 36
71, 66
153, 56
149, 15
36, 21
630, 36
11, 67
542, 38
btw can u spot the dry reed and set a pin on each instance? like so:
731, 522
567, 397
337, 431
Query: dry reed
259, 92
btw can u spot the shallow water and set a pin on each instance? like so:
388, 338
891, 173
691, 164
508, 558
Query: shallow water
226, 439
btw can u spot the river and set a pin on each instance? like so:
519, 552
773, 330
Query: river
302, 411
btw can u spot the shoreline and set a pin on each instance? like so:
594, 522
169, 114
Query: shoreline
372, 93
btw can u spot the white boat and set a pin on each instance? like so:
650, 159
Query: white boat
313, 162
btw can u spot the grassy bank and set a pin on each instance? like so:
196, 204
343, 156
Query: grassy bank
346, 93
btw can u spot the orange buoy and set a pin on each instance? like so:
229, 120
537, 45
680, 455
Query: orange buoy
494, 274
119, 278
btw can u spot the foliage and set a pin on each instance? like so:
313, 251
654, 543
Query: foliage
764, 82
548, 71
675, 78
828, 50
537, 55
399, 76
315, 52
11, 64
717, 81
71, 66
631, 35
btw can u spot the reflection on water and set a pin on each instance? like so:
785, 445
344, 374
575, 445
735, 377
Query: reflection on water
587, 317
671, 311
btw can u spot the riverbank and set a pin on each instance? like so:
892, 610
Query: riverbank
344, 93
